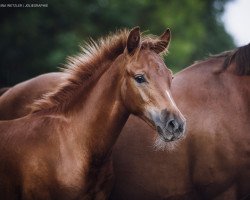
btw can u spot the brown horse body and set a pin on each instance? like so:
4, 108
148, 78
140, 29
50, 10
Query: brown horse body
24, 94
213, 161
62, 149
3, 90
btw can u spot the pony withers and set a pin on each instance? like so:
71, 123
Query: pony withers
62, 149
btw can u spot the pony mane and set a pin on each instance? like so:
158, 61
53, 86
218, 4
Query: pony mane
89, 63
240, 56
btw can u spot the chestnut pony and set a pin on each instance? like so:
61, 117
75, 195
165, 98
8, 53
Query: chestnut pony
62, 149
211, 163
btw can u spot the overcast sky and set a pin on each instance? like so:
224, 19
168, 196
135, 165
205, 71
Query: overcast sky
237, 21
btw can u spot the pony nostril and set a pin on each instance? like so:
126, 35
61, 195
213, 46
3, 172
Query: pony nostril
173, 125
181, 128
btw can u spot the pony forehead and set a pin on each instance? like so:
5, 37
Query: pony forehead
148, 63
149, 57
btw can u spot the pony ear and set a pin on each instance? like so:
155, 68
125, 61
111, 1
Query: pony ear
133, 40
162, 44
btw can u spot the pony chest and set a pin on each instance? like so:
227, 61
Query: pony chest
89, 183
70, 176
71, 170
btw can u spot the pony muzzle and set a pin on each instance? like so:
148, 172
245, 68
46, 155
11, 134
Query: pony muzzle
169, 126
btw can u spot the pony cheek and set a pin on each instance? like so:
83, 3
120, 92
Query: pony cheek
124, 96
129, 97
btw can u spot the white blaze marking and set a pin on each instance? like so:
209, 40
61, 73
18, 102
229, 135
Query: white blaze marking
171, 100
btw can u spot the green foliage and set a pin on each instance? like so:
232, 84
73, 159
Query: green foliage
37, 40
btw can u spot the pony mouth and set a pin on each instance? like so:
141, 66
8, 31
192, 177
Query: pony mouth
164, 136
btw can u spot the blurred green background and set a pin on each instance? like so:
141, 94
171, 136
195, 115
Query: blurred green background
38, 40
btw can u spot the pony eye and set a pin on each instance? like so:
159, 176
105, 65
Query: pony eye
140, 79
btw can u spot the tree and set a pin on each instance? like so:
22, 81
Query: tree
37, 40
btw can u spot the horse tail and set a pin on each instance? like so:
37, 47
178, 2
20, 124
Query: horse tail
3, 90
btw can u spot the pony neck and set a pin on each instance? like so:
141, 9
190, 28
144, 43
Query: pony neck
101, 115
